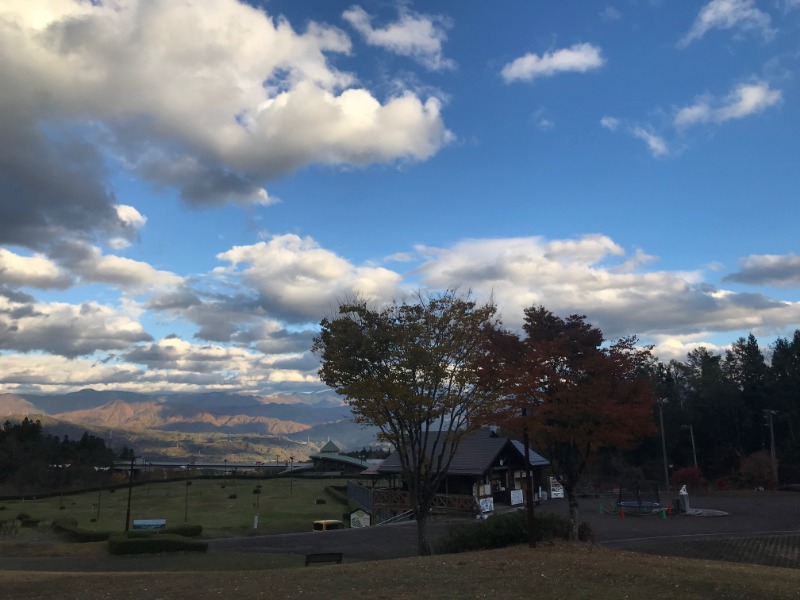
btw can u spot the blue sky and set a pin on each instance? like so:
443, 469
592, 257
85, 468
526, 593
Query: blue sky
186, 189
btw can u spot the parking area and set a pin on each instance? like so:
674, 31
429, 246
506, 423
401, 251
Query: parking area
765, 525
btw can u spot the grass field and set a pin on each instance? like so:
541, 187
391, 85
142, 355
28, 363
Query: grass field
559, 571
52, 568
222, 506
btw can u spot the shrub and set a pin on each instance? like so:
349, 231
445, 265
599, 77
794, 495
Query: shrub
232, 496
154, 544
68, 527
691, 477
23, 516
507, 529
320, 501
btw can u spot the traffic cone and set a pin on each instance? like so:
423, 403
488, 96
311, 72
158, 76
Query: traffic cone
622, 512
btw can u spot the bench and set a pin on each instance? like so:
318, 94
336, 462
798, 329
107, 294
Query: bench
323, 557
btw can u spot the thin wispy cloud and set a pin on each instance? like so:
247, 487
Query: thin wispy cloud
655, 143
414, 35
740, 15
742, 101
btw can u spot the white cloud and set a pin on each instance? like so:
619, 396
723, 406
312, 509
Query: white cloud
65, 329
609, 13
212, 97
130, 275
656, 144
729, 14
417, 36
610, 123
298, 280
578, 58
58, 374
593, 275
35, 271
743, 101
668, 348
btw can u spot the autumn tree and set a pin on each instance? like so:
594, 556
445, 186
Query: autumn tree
575, 394
410, 369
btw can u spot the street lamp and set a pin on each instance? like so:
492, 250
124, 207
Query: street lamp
661, 402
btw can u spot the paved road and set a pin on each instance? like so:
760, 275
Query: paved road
748, 515
397, 540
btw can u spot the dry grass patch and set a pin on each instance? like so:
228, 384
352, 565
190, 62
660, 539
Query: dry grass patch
555, 571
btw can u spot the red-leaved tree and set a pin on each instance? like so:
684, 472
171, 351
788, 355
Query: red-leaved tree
572, 393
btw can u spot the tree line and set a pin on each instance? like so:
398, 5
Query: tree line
32, 461
429, 371
733, 406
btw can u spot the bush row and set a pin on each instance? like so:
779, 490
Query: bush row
154, 544
499, 531
68, 527
70, 530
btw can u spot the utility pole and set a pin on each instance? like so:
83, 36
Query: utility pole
130, 491
661, 402
694, 449
773, 457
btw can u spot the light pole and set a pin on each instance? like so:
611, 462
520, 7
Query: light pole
661, 402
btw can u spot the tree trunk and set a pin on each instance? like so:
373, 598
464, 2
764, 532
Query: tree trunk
423, 545
572, 500
529, 491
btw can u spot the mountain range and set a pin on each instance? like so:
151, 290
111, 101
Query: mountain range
213, 425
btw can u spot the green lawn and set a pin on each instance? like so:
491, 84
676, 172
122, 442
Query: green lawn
222, 506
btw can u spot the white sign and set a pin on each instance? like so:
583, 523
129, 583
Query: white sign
517, 497
487, 505
359, 518
556, 489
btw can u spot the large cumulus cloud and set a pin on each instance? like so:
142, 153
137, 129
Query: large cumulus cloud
212, 97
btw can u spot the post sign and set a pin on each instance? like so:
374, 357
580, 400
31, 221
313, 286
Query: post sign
556, 489
360, 518
517, 497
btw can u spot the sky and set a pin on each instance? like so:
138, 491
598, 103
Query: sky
188, 187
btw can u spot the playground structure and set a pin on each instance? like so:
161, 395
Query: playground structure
633, 502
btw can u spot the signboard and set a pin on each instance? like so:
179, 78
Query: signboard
556, 489
149, 523
517, 497
487, 505
360, 518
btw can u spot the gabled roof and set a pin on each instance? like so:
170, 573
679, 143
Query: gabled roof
535, 459
476, 454
330, 447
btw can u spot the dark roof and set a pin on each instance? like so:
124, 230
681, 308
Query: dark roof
477, 452
339, 458
329, 447
536, 459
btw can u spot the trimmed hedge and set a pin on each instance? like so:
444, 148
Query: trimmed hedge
121, 544
503, 530
68, 527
